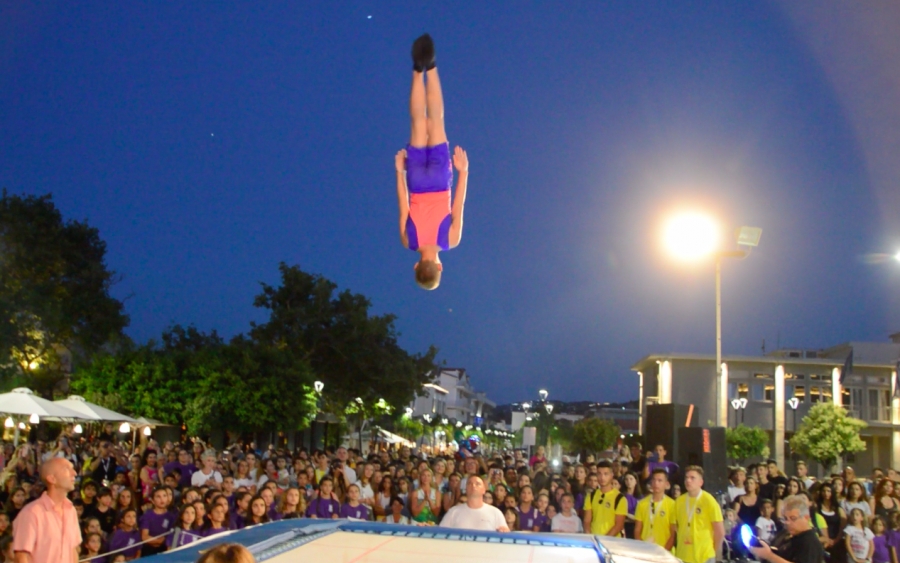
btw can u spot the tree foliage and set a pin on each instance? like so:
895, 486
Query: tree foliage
594, 435
201, 381
264, 380
827, 433
354, 353
744, 442
55, 304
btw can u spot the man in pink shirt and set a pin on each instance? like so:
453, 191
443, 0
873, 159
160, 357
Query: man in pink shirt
46, 530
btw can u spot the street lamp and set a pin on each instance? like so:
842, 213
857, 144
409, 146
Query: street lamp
78, 429
693, 237
147, 431
409, 411
34, 419
543, 394
739, 406
318, 386
549, 408
794, 402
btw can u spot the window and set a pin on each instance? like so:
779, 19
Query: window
757, 392
812, 354
814, 396
769, 392
880, 405
788, 391
800, 393
762, 376
743, 391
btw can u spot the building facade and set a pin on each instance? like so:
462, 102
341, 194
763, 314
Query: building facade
776, 391
450, 395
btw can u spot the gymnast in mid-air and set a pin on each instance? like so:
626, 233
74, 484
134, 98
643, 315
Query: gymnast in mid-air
428, 222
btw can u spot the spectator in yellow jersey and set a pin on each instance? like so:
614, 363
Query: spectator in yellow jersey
655, 514
700, 528
605, 508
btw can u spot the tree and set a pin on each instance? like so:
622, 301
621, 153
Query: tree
354, 353
745, 442
199, 380
55, 306
563, 433
827, 433
594, 435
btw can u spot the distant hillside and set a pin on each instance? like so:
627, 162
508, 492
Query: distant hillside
504, 412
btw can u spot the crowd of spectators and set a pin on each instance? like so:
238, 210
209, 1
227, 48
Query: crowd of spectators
134, 502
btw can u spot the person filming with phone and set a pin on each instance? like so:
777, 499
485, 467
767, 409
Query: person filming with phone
804, 545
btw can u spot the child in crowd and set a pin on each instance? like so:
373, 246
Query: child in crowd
156, 522
765, 526
396, 516
185, 528
92, 548
511, 514
325, 505
860, 544
293, 504
542, 504
882, 552
5, 525
127, 535
567, 520
353, 508
258, 513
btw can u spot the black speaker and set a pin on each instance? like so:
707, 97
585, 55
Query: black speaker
662, 423
705, 447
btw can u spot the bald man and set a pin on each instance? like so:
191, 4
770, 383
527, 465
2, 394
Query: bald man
46, 530
475, 515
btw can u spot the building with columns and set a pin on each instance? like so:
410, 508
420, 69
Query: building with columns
775, 391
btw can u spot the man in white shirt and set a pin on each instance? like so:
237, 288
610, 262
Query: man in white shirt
475, 515
208, 476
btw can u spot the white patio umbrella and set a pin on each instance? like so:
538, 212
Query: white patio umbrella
22, 402
91, 411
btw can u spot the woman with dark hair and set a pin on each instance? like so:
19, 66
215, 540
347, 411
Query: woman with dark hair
883, 501
15, 503
382, 506
856, 498
258, 513
151, 476
835, 520
241, 510
747, 505
794, 487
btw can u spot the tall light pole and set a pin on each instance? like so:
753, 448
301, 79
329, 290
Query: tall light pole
693, 237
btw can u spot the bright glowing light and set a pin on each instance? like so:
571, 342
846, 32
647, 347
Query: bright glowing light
459, 424
746, 535
147, 431
124, 428
78, 429
794, 402
736, 403
10, 423
409, 411
34, 419
690, 236
543, 394
21, 426
33, 365
897, 256
318, 386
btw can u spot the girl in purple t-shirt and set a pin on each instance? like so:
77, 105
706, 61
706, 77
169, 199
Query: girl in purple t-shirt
259, 512
324, 505
530, 519
127, 535
353, 508
185, 528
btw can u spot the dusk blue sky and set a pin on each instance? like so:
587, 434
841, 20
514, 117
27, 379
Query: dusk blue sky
208, 141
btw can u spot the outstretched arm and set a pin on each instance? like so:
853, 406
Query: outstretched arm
402, 195
461, 161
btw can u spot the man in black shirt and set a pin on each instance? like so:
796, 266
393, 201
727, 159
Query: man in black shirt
804, 545
103, 467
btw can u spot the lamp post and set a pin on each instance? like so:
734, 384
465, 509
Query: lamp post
794, 402
319, 387
739, 405
693, 237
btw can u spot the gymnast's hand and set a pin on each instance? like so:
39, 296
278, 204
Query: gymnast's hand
400, 160
461, 160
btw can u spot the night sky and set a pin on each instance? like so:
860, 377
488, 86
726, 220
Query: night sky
208, 141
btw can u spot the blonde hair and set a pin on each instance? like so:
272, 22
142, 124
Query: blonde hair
227, 553
428, 275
